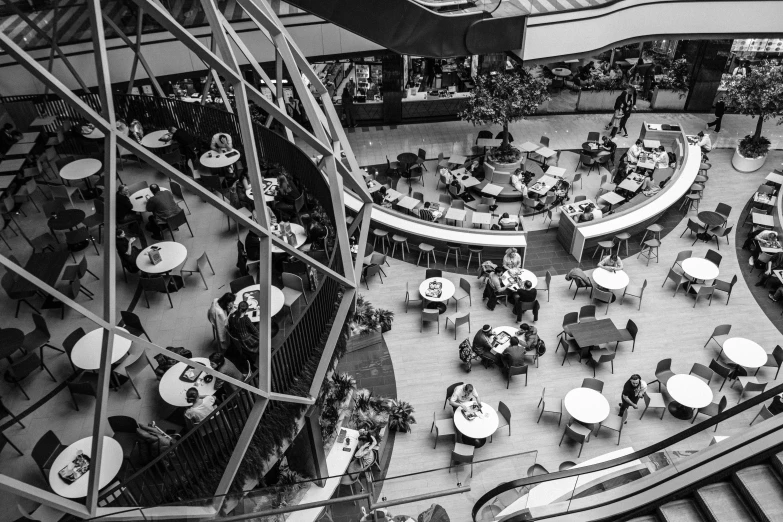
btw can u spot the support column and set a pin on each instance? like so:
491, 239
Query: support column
306, 454
393, 73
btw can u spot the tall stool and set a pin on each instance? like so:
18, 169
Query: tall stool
604, 246
456, 248
655, 229
704, 169
622, 236
403, 242
474, 250
427, 250
697, 188
384, 237
650, 250
691, 200
701, 179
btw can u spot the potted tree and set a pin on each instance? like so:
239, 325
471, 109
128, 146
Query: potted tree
501, 97
672, 87
760, 94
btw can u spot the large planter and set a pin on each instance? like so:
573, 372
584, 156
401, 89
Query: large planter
596, 100
543, 108
505, 167
357, 342
667, 99
743, 164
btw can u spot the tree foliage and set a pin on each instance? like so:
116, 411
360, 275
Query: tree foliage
759, 93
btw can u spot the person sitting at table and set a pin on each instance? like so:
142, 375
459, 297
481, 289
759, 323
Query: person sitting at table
365, 454
188, 145
219, 362
526, 294
221, 142
633, 389
530, 335
635, 151
705, 143
608, 145
483, 347
379, 195
124, 206
493, 289
162, 207
243, 185
8, 137
518, 181
768, 239
590, 213
506, 222
775, 263
241, 328
512, 259
612, 263
252, 246
200, 407
616, 73
218, 317
456, 188
425, 213
135, 130
286, 196
514, 355
463, 395
127, 251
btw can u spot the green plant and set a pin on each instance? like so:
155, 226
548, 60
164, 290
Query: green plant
760, 94
362, 399
342, 385
606, 83
509, 155
386, 318
401, 416
502, 97
676, 77
750, 148
366, 319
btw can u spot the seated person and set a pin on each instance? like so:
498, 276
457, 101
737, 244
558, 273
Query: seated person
127, 251
252, 246
530, 333
608, 145
518, 181
506, 222
200, 407
590, 213
316, 231
425, 213
483, 347
493, 289
379, 195
285, 199
162, 206
612, 263
243, 185
512, 259
661, 158
365, 454
456, 188
8, 137
527, 294
767, 238
218, 362
135, 130
463, 395
221, 142
245, 332
704, 142
514, 355
633, 153
124, 206
775, 263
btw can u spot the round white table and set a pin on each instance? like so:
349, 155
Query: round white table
561, 72
152, 140
609, 280
480, 428
218, 160
270, 189
140, 197
96, 134
172, 255
700, 269
688, 393
111, 462
86, 352
300, 237
173, 389
82, 169
446, 293
510, 330
276, 304
744, 352
518, 274
586, 405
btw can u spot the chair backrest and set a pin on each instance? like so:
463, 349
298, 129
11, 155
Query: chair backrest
577, 177
755, 387
720, 369
82, 388
544, 141
444, 199
632, 328
517, 370
450, 389
705, 291
585, 159
177, 220
418, 195
294, 281
603, 179
135, 187
723, 209
577, 199
572, 433
777, 354
593, 136
465, 319
713, 256
725, 231
593, 384
766, 189
40, 325
377, 258
701, 371
153, 284
693, 225
764, 412
137, 366
458, 204
243, 282
675, 276
46, 449
24, 367
430, 315
422, 154
52, 207
459, 457
586, 311
482, 208
131, 320
663, 366
603, 296
77, 236
485, 134
371, 270
570, 318
176, 189
70, 341
464, 284
685, 254
503, 409
433, 272
123, 424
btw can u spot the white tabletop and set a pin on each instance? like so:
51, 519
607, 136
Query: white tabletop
86, 352
690, 390
492, 190
42, 121
610, 280
546, 152
111, 462
457, 214
276, 304
96, 134
482, 218
612, 198
12, 165
20, 149
470, 182
522, 274
482, 426
152, 140
446, 291
173, 389
299, 235
457, 159
651, 144
81, 168
562, 72
774, 177
586, 405
763, 220
745, 352
557, 172
529, 146
29, 137
172, 253
408, 203
140, 197
510, 330
216, 160
546, 181
700, 268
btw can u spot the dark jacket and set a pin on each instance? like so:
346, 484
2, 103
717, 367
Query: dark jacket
252, 246
720, 108
527, 296
123, 205
514, 356
185, 140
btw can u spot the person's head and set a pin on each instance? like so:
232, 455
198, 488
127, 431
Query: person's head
216, 360
242, 307
639, 143
504, 216
605, 139
613, 256
700, 134
468, 388
191, 396
487, 329
514, 341
8, 127
282, 183
511, 251
589, 207
154, 189
123, 189
636, 379
661, 149
120, 233
225, 300
427, 204
172, 129
524, 327
528, 285
629, 89
773, 236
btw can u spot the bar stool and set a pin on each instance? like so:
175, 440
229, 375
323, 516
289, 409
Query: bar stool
704, 168
384, 236
604, 246
655, 229
622, 236
403, 242
697, 188
647, 250
701, 179
428, 250
456, 248
474, 250
691, 200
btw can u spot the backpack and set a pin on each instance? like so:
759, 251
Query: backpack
541, 347
467, 355
165, 363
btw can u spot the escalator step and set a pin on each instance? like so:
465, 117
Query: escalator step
680, 511
763, 491
721, 503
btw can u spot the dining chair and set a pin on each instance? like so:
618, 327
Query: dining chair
713, 256
462, 454
5, 412
722, 371
179, 197
774, 360
706, 291
516, 370
720, 232
458, 319
135, 187
66, 192
570, 346
603, 297
577, 433
177, 220
408, 299
593, 136
293, 290
569, 319
23, 368
504, 418
132, 366
602, 356
155, 284
462, 292
663, 372
633, 291
548, 282
432, 272
555, 406
724, 210
712, 409
428, 316
38, 339
628, 333
237, 285
581, 284
78, 240
678, 278
694, 228
450, 392
124, 429
682, 256
764, 413
719, 331
749, 385
45, 451
84, 384
699, 370
442, 427
199, 266
653, 400
369, 271
615, 423
587, 313
593, 384
132, 323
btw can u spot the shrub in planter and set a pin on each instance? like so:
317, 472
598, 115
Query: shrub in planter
401, 417
342, 385
366, 319
751, 148
676, 77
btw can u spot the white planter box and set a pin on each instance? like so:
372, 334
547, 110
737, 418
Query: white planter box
743, 164
667, 99
596, 100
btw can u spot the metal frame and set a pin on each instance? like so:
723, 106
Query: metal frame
327, 138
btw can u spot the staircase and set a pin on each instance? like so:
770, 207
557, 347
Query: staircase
753, 494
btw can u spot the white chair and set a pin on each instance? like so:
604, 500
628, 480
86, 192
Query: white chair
64, 191
293, 289
199, 265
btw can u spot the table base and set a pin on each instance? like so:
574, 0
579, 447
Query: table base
473, 442
441, 307
680, 411
89, 193
704, 236
78, 247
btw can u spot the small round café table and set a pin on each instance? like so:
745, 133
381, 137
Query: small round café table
521, 274
711, 219
173, 389
609, 280
700, 269
407, 159
140, 197
172, 255
510, 330
152, 140
688, 393
86, 352
446, 293
219, 160
111, 462
586, 405
478, 430
66, 219
300, 237
275, 305
744, 352
587, 149
82, 169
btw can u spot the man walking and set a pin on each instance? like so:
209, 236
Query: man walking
626, 104
720, 110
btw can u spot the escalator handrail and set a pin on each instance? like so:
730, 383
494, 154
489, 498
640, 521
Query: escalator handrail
674, 439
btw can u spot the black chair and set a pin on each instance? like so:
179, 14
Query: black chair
369, 271
628, 333
124, 429
45, 451
83, 384
79, 239
70, 341
97, 219
450, 392
132, 323
433, 272
484, 135
173, 223
580, 284
239, 284
516, 370
713, 256
5, 412
21, 369
7, 282
5, 440
38, 338
155, 284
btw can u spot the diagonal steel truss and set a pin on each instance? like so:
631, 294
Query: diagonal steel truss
327, 138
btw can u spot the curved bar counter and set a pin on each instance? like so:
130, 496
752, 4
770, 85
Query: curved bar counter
577, 238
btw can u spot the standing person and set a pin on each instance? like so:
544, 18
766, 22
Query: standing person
347, 102
218, 317
162, 206
351, 86
720, 110
628, 106
200, 407
463, 395
634, 388
219, 362
188, 145
241, 328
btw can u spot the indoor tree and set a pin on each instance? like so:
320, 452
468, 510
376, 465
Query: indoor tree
759, 93
503, 97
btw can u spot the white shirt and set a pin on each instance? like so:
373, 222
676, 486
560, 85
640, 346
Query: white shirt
597, 214
662, 160
219, 319
198, 413
221, 140
705, 142
633, 153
